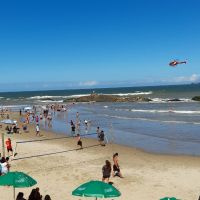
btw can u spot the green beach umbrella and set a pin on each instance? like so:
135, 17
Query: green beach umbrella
97, 189
17, 180
169, 198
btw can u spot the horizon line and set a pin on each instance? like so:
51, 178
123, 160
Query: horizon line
49, 90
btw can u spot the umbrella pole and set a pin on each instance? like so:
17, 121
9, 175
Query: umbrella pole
14, 192
3, 143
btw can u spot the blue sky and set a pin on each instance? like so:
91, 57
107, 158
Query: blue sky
47, 44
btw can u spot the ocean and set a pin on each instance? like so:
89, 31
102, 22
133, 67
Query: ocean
159, 126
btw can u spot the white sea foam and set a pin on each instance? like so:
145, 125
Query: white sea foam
56, 97
132, 94
153, 120
159, 100
167, 100
161, 111
50, 101
168, 111
44, 97
82, 95
13, 106
77, 95
186, 100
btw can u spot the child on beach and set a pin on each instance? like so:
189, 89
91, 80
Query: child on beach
37, 130
79, 141
4, 166
106, 170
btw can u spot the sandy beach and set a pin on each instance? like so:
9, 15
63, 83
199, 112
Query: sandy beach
63, 168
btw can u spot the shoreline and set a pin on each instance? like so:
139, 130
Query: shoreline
150, 128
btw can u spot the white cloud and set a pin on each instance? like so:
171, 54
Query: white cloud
192, 78
88, 83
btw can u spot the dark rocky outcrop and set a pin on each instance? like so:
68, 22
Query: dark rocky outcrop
174, 100
47, 99
108, 98
196, 98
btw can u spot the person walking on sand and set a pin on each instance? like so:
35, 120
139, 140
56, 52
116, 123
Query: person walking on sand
116, 168
101, 138
79, 141
37, 130
9, 146
106, 170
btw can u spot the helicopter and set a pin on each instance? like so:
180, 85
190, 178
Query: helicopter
174, 63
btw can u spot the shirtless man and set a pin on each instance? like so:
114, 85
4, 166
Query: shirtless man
116, 169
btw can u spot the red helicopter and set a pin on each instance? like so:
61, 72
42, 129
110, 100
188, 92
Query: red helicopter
176, 62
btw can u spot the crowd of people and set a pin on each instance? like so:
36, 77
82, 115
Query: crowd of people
34, 195
108, 169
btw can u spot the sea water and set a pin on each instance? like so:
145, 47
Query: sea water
159, 126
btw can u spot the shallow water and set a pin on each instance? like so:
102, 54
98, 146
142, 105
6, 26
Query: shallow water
159, 132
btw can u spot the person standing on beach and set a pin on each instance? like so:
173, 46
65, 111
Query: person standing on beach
98, 132
86, 124
101, 138
37, 130
73, 129
37, 119
106, 170
77, 115
79, 141
9, 146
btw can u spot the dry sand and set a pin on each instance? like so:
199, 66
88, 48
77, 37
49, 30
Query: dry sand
147, 176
